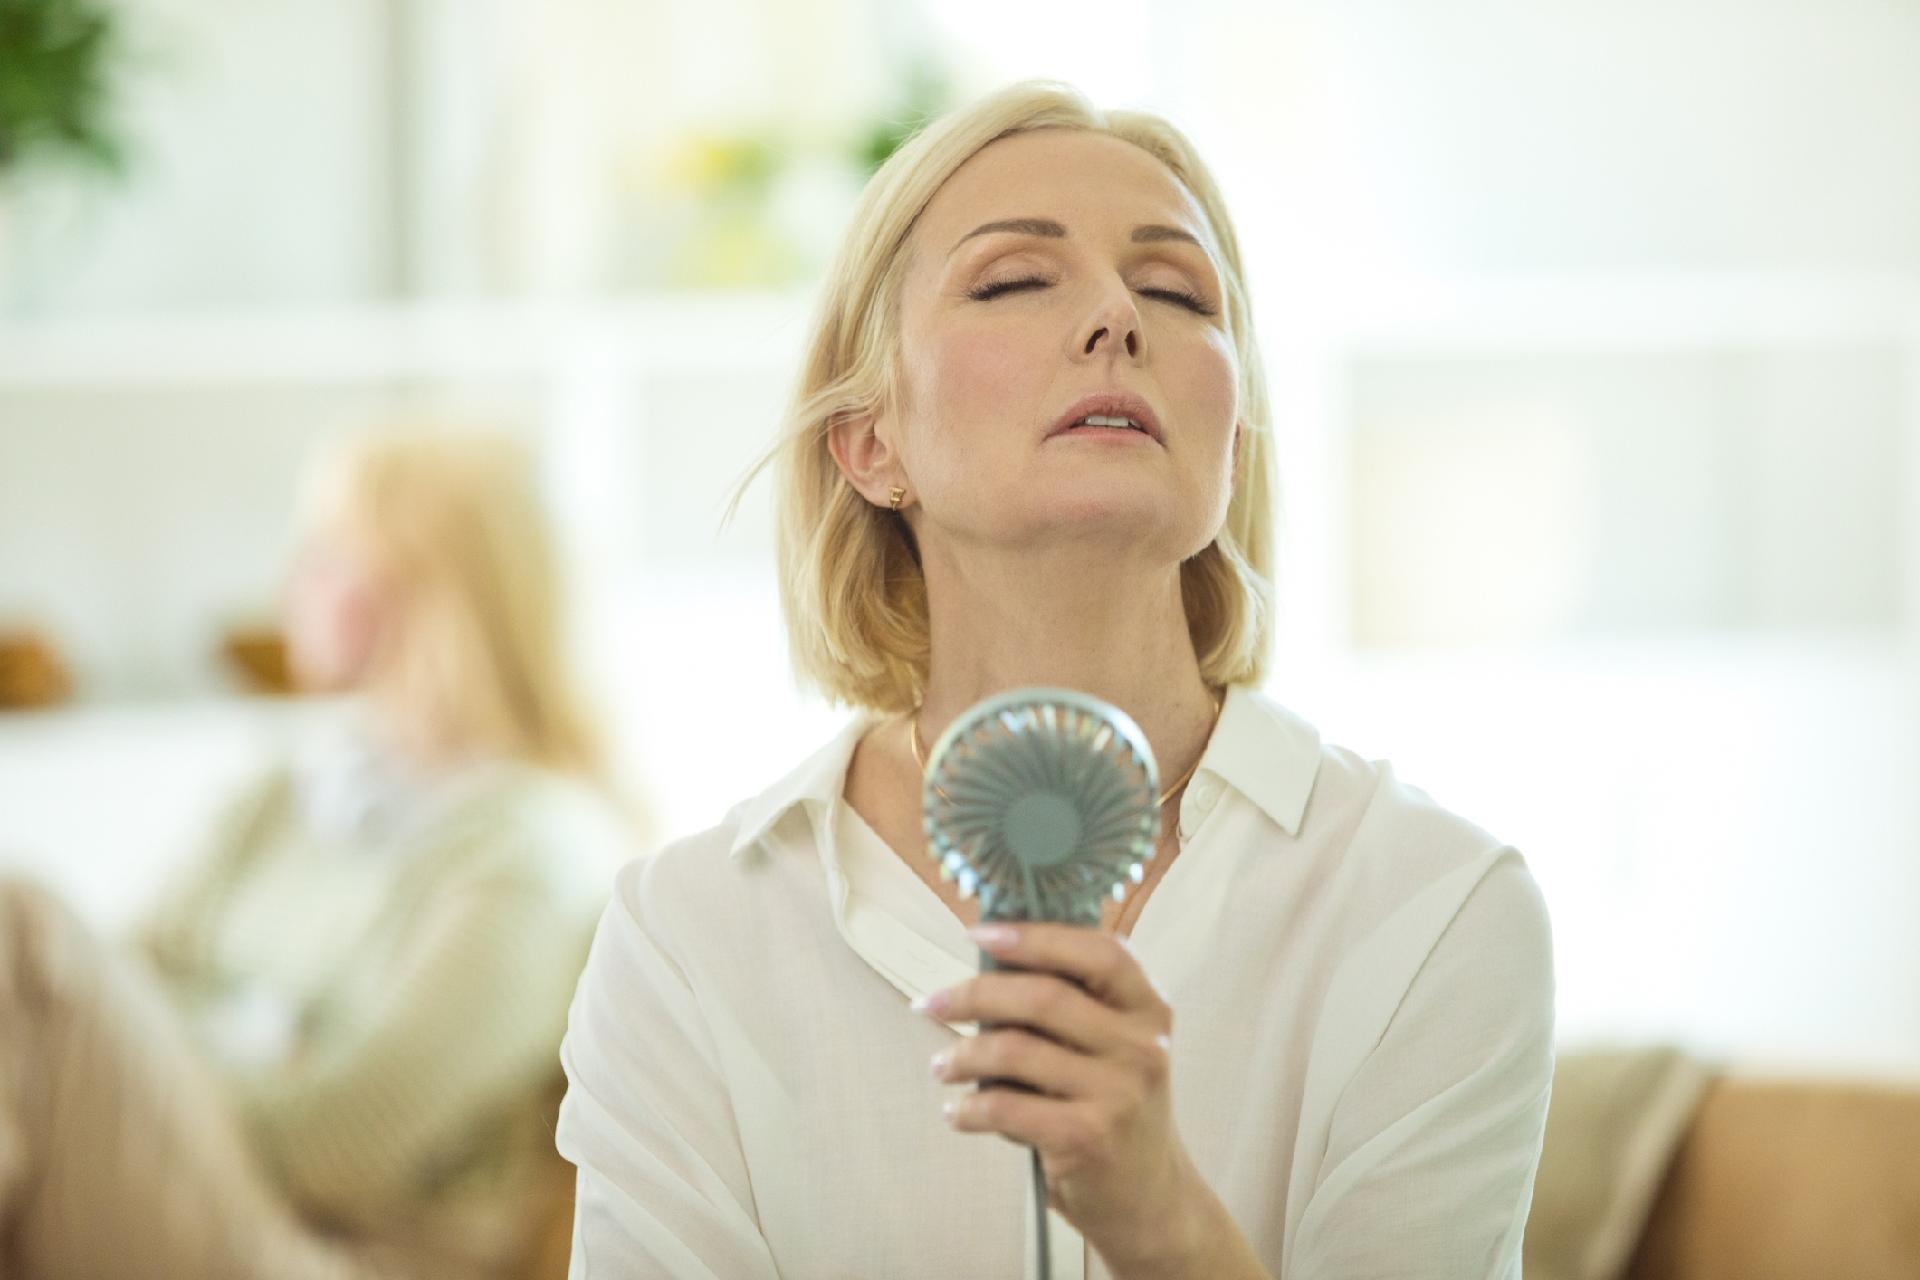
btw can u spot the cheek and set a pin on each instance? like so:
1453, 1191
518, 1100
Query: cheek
1203, 386
332, 622
1213, 383
965, 379
356, 619
976, 395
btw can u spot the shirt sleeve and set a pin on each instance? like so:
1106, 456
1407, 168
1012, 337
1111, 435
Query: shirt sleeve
176, 935
663, 1187
1430, 1159
467, 1019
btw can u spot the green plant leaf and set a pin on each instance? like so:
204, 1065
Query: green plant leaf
57, 59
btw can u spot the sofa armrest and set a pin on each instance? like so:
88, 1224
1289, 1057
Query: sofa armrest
1790, 1180
552, 1245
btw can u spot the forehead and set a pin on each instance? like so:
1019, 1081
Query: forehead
1074, 176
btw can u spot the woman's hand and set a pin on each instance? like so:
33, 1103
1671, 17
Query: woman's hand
1087, 1030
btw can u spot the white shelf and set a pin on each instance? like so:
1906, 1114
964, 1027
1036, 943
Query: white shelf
1610, 312
147, 464
491, 339
383, 342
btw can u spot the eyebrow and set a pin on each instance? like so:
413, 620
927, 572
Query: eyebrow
1020, 226
1155, 231
1148, 233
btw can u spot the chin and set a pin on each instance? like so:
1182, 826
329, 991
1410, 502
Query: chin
1109, 519
313, 673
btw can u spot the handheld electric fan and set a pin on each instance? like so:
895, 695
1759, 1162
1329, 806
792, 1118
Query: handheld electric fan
1043, 804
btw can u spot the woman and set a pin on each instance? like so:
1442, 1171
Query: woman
347, 1064
1029, 448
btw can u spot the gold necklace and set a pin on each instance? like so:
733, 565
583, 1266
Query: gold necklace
913, 741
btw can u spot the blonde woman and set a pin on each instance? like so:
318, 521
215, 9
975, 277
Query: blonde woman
1030, 447
345, 1065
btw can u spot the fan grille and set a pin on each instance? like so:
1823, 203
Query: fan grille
1042, 803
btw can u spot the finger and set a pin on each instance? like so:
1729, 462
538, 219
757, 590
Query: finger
1009, 1054
1098, 961
1043, 1002
1033, 1119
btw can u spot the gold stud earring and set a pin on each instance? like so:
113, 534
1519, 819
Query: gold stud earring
895, 496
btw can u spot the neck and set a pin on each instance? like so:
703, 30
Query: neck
406, 738
1113, 630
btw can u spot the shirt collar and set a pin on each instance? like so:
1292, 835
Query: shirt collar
816, 782
1266, 753
1259, 748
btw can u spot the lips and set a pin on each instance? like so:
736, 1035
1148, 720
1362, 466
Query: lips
1105, 407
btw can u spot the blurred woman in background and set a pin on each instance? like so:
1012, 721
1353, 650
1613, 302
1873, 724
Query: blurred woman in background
347, 1064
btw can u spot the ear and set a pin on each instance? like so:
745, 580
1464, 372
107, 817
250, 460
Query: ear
861, 448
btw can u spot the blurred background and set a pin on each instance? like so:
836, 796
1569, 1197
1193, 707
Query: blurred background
1594, 331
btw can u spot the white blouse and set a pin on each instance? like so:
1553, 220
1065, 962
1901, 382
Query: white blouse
1362, 987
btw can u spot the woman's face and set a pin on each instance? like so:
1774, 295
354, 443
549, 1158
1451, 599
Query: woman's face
1059, 274
334, 609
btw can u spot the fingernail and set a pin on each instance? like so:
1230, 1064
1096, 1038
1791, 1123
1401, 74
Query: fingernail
938, 1066
992, 936
949, 1109
934, 1002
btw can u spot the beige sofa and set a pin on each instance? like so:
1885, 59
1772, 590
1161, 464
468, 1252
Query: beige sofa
1790, 1180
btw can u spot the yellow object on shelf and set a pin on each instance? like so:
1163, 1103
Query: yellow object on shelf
259, 656
31, 673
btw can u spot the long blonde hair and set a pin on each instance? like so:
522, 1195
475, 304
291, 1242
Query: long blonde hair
475, 658
854, 597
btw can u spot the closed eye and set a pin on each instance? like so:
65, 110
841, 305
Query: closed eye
1181, 298
1178, 297
986, 291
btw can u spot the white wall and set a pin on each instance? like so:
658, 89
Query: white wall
1356, 138
1494, 136
259, 168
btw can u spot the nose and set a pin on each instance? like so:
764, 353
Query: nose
1131, 340
1114, 326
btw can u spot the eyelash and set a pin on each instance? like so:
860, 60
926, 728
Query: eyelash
1179, 297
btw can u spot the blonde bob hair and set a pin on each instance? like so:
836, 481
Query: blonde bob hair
850, 582
473, 658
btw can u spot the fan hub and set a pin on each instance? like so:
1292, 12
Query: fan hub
1042, 829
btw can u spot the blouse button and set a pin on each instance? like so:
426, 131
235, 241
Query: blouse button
1197, 804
